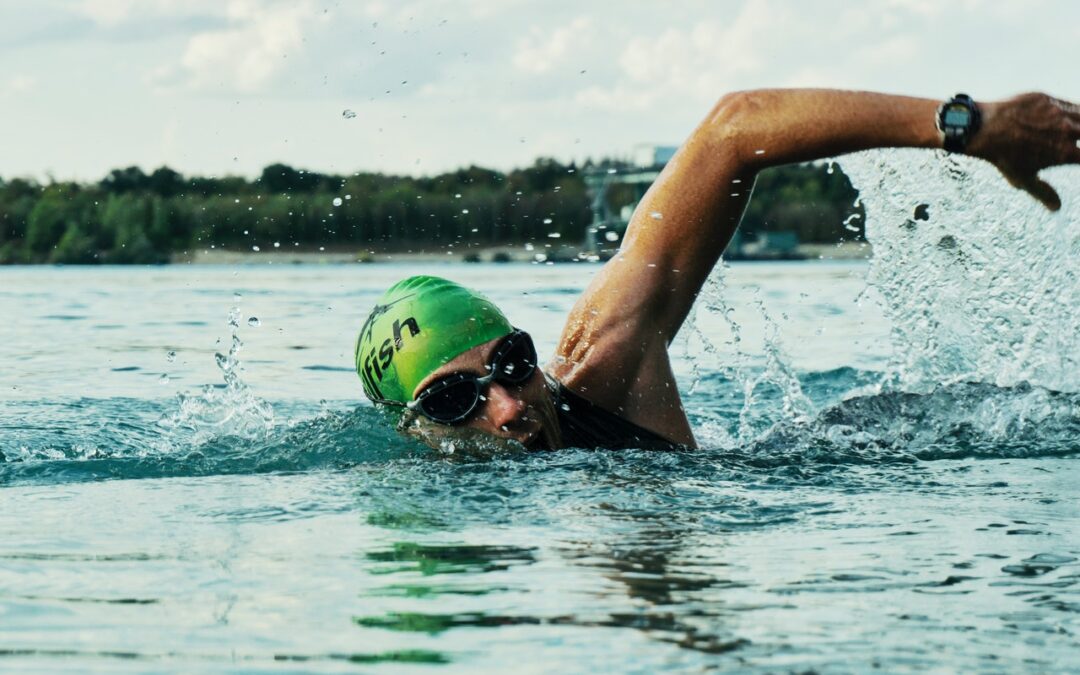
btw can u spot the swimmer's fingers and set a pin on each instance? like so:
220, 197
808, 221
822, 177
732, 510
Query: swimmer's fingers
1044, 192
1072, 121
1026, 134
1037, 188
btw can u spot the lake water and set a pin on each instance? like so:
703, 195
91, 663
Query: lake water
190, 479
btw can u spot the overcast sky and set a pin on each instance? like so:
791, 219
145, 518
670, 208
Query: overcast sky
228, 86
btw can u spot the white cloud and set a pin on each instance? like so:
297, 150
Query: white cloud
693, 65
543, 50
246, 55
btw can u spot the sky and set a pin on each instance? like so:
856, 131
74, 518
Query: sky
215, 87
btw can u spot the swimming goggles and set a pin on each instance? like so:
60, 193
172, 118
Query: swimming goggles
453, 399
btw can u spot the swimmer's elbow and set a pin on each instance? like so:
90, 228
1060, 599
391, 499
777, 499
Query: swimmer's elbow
730, 108
728, 123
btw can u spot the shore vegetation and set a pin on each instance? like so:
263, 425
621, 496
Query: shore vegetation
132, 216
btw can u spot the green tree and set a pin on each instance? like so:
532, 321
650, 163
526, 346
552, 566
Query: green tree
164, 182
49, 218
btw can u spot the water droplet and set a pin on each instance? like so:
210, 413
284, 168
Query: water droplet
164, 379
254, 322
255, 248
540, 257
465, 211
529, 247
554, 235
759, 152
656, 215
612, 171
277, 244
170, 356
337, 201
611, 236
348, 114
565, 406
547, 221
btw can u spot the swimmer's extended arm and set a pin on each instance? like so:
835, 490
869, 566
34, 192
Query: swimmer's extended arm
625, 320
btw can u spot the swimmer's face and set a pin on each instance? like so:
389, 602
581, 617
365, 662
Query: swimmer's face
523, 413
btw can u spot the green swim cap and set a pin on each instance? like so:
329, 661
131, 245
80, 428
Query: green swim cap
419, 324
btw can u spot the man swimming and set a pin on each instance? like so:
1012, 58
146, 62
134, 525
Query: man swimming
453, 365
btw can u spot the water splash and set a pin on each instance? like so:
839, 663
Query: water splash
724, 355
978, 280
954, 421
229, 411
980, 287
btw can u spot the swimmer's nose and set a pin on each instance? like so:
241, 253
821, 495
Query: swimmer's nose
502, 407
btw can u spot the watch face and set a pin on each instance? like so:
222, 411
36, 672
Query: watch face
957, 116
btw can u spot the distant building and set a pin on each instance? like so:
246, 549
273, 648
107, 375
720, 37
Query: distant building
647, 156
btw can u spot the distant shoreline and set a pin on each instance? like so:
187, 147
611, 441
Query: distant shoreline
507, 254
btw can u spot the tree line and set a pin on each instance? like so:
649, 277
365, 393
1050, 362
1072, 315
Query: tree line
134, 217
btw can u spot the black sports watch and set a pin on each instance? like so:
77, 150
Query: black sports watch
958, 118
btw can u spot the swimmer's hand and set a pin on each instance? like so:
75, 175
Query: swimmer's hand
1023, 135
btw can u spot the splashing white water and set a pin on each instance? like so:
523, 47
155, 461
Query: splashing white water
710, 352
978, 280
233, 410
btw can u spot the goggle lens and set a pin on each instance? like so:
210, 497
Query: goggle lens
515, 360
454, 398
451, 402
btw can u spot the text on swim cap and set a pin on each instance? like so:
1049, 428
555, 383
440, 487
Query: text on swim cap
375, 364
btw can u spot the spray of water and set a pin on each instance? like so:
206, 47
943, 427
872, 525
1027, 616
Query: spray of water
722, 355
978, 280
216, 412
980, 287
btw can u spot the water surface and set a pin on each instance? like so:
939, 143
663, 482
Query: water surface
185, 488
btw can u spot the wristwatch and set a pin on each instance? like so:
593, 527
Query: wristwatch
958, 119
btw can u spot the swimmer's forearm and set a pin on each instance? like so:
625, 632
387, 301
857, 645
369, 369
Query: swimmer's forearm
770, 127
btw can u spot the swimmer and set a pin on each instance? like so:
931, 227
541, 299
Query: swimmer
451, 364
